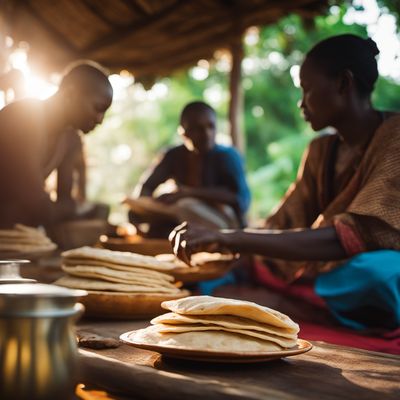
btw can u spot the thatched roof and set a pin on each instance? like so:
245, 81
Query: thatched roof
150, 38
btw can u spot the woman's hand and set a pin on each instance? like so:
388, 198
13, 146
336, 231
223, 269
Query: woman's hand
189, 239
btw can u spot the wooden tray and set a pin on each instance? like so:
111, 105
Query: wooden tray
204, 272
113, 305
136, 244
210, 266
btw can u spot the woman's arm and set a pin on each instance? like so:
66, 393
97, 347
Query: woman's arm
295, 245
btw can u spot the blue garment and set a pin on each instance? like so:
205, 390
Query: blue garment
223, 167
208, 287
365, 291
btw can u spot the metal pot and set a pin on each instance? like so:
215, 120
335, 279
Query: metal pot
9, 271
38, 351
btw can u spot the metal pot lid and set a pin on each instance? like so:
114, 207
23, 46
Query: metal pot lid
40, 290
8, 281
37, 300
14, 261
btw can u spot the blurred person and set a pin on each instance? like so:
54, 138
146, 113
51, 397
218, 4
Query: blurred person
338, 225
210, 184
40, 136
71, 181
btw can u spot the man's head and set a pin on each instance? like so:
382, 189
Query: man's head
87, 95
198, 126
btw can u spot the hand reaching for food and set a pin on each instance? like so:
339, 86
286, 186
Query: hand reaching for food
187, 240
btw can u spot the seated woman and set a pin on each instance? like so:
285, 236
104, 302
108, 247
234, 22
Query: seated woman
210, 184
339, 222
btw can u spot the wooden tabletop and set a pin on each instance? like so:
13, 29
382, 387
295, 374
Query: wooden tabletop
326, 372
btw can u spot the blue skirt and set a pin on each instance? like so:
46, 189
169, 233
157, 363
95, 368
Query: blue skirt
365, 291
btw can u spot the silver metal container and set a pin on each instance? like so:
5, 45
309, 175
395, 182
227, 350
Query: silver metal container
38, 350
10, 271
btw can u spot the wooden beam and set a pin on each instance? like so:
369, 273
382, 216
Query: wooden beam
129, 29
54, 34
144, 6
184, 53
248, 16
159, 62
202, 41
135, 7
95, 10
236, 100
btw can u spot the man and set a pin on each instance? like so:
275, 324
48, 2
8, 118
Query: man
39, 136
210, 185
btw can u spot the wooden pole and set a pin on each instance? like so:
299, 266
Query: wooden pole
236, 96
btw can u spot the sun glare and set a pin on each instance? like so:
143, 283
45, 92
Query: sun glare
34, 86
381, 27
39, 88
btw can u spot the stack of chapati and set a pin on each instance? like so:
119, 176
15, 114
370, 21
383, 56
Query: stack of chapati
219, 324
114, 271
25, 240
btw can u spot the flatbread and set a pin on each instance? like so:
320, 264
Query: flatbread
111, 275
143, 272
27, 248
25, 239
283, 342
94, 284
118, 257
218, 341
129, 268
227, 321
20, 230
209, 305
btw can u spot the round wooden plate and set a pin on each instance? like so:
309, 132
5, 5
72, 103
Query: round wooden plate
136, 244
111, 305
204, 272
215, 356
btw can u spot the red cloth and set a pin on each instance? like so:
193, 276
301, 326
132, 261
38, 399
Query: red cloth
388, 342
305, 291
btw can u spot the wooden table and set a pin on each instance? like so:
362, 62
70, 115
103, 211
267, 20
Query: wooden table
326, 372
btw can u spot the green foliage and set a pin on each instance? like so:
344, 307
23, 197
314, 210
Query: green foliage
387, 95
